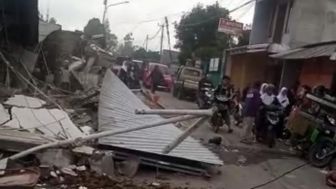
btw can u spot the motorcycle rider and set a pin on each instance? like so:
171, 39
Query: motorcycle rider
225, 89
204, 83
268, 99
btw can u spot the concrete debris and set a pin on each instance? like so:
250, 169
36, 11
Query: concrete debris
242, 160
129, 167
3, 166
85, 150
69, 171
102, 163
4, 116
20, 178
53, 174
25, 101
81, 168
51, 122
56, 157
87, 130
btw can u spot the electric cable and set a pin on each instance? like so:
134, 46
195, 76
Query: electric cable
280, 176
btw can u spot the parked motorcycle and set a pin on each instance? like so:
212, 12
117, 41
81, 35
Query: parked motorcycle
323, 149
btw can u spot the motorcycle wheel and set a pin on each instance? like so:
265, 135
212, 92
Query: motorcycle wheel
270, 138
318, 152
332, 164
216, 122
286, 134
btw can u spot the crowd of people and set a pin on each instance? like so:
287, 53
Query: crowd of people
253, 99
130, 74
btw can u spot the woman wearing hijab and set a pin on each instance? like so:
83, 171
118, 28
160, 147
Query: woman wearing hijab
263, 88
285, 104
282, 97
267, 96
123, 76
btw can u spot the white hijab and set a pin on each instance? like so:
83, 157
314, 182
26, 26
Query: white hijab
282, 98
124, 66
262, 88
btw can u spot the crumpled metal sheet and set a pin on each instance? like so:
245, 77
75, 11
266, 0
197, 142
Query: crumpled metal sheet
116, 111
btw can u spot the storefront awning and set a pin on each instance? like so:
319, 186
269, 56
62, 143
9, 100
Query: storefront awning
326, 49
257, 48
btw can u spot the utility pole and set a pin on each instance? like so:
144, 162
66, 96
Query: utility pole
146, 43
168, 35
161, 41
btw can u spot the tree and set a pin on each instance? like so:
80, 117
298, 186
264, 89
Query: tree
52, 20
111, 39
197, 33
244, 39
127, 48
94, 27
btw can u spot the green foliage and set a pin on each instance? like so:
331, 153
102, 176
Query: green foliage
197, 33
111, 39
244, 39
94, 27
52, 20
127, 48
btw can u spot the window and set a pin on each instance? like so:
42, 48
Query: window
214, 65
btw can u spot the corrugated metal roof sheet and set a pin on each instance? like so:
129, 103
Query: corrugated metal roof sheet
116, 111
308, 52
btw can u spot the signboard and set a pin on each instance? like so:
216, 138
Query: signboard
230, 27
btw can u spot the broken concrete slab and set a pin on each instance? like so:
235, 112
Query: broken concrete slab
25, 101
102, 163
56, 157
50, 122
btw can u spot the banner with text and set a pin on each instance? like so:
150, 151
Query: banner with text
230, 27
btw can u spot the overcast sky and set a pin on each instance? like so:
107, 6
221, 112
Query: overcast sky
74, 14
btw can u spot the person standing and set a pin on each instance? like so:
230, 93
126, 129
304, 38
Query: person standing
226, 90
123, 73
251, 107
156, 77
282, 98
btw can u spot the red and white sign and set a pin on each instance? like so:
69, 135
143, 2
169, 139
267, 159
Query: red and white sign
230, 27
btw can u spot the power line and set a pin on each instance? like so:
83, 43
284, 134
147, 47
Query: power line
215, 17
280, 176
155, 35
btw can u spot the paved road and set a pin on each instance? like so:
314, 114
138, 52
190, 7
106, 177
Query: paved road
243, 169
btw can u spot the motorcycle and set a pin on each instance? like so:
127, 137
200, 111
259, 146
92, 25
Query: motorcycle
221, 103
205, 97
323, 149
270, 122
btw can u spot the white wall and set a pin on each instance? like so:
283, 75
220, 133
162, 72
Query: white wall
311, 21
